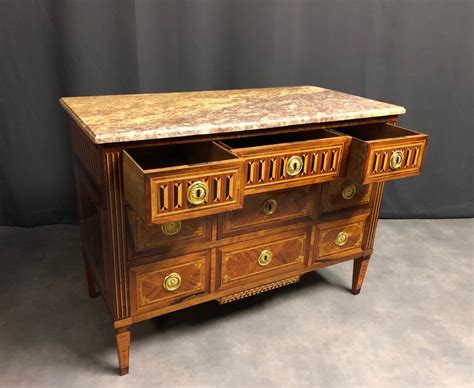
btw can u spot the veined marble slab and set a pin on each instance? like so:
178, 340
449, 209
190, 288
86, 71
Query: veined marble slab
134, 117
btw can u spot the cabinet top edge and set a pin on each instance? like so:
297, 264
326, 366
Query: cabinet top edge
137, 117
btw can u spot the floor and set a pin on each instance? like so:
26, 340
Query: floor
411, 326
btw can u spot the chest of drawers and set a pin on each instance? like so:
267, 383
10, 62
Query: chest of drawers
186, 198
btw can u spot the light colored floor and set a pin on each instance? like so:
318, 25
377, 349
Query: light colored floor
412, 324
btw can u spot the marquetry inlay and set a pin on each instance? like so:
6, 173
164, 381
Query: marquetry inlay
272, 169
186, 198
380, 161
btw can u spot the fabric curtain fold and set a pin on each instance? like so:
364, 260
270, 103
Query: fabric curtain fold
415, 54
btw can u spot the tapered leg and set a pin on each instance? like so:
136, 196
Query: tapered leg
91, 285
122, 340
358, 274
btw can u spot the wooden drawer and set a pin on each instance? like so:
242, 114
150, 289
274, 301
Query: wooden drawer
250, 261
268, 210
335, 239
169, 282
381, 152
168, 236
174, 182
290, 159
344, 193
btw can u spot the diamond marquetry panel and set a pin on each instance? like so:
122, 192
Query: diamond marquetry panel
291, 204
151, 237
146, 281
239, 263
333, 197
329, 245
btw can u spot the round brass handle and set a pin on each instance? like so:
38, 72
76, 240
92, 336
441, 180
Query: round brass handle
341, 239
265, 257
197, 193
172, 282
294, 165
269, 207
171, 228
349, 191
396, 160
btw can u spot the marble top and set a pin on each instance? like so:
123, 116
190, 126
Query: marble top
120, 118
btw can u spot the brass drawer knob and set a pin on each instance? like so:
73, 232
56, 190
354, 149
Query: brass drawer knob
171, 228
269, 206
172, 282
197, 193
294, 165
341, 239
396, 160
349, 191
265, 257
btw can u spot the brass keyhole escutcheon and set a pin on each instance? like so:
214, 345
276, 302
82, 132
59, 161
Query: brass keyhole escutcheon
171, 228
269, 206
265, 257
341, 239
349, 191
172, 282
396, 160
294, 165
197, 193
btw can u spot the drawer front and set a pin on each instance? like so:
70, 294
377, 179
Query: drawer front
394, 161
269, 209
176, 192
253, 260
167, 236
336, 239
169, 281
344, 193
170, 198
286, 165
266, 172
384, 153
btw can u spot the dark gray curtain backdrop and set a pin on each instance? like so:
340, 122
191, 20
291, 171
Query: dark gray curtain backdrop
415, 53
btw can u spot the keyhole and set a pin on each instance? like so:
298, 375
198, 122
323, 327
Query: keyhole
198, 193
265, 258
295, 166
269, 207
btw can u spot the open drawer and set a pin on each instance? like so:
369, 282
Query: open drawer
289, 159
381, 152
172, 182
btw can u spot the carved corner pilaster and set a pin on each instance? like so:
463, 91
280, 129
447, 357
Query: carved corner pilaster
116, 237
